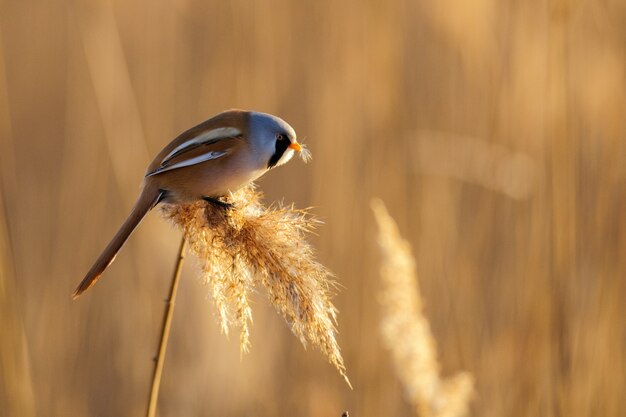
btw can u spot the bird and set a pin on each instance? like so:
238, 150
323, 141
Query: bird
205, 162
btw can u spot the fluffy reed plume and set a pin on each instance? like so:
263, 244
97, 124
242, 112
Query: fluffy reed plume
250, 244
406, 332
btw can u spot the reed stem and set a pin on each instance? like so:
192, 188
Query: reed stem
165, 332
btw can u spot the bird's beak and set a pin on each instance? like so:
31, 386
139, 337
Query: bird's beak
295, 146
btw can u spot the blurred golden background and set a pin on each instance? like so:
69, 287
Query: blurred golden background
495, 132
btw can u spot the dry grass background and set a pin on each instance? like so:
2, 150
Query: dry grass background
494, 131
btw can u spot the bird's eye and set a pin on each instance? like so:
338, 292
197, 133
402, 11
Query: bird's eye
281, 137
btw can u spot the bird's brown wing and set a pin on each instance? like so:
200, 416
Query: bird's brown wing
206, 146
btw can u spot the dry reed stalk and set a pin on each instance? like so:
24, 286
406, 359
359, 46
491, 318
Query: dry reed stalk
406, 331
16, 386
248, 245
165, 332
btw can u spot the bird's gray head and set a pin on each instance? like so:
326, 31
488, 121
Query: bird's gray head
273, 138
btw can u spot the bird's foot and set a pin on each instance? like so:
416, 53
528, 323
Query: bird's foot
221, 204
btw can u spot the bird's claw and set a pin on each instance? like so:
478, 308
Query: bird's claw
221, 204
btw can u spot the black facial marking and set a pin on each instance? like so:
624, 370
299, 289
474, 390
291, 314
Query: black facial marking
282, 143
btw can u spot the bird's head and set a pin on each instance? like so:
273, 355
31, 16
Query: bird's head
274, 139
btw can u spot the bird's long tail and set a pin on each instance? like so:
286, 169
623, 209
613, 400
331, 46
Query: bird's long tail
148, 198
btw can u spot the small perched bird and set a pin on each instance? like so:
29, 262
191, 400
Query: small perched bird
206, 162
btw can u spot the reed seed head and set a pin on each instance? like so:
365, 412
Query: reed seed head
406, 331
251, 245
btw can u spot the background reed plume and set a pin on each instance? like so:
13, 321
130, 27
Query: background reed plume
406, 331
250, 245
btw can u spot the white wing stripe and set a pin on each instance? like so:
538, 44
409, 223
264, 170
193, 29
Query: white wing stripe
200, 158
220, 132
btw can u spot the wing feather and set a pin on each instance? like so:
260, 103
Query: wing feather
208, 145
207, 156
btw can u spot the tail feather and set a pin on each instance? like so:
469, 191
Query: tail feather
147, 199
